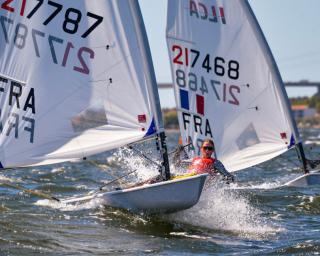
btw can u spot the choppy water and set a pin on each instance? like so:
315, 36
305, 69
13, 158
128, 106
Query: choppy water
254, 216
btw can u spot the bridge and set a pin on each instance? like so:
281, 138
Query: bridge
302, 83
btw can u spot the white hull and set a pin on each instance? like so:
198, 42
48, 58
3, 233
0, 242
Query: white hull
305, 180
162, 197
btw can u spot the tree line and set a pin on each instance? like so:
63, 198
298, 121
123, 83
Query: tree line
311, 102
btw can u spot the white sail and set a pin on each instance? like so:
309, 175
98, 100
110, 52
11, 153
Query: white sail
73, 80
227, 86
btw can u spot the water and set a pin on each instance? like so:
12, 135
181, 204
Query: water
254, 216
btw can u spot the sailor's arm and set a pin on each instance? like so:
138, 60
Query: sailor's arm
177, 161
219, 167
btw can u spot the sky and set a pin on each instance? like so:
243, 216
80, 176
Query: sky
291, 27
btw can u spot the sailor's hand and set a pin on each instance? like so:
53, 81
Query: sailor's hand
229, 178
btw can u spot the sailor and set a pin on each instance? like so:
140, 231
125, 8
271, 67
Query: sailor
207, 164
203, 164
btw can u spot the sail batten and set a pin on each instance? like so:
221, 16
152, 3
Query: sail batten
85, 84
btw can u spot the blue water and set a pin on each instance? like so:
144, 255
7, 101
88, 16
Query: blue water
254, 216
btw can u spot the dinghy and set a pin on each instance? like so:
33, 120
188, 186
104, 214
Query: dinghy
163, 197
76, 79
228, 87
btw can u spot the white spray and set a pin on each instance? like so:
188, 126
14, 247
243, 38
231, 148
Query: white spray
221, 208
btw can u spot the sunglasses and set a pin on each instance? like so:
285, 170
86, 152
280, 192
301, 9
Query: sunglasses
208, 148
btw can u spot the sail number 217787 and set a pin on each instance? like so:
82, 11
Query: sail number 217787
72, 16
70, 24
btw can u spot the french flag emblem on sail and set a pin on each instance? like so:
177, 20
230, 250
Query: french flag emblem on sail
200, 104
184, 99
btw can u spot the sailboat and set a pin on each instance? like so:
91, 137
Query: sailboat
76, 79
228, 87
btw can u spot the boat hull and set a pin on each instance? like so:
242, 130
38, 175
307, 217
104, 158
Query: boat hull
162, 197
310, 179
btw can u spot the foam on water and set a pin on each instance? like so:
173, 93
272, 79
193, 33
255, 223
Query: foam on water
185, 234
312, 142
225, 209
270, 184
91, 204
264, 185
6, 179
57, 170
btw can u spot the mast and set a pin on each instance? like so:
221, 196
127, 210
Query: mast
151, 83
283, 93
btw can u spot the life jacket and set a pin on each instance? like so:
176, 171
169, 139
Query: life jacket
201, 165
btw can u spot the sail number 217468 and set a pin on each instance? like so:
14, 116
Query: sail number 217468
194, 58
207, 74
